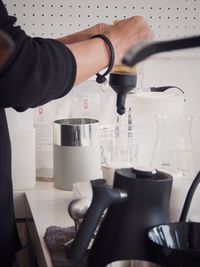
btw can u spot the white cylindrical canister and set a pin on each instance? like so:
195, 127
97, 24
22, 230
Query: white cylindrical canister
22, 136
76, 152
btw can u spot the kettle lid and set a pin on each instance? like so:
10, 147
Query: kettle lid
143, 174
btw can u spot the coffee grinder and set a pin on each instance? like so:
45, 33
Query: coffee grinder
123, 78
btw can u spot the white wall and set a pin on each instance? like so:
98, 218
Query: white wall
181, 72
168, 19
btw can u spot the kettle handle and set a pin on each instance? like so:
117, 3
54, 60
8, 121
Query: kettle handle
103, 197
189, 197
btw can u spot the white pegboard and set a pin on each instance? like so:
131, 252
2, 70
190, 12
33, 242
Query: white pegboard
168, 19
54, 18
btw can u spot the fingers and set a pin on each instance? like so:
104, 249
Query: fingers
139, 26
100, 28
144, 30
103, 27
84, 34
126, 33
145, 33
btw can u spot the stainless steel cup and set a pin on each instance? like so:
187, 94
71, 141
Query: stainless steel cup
76, 152
132, 263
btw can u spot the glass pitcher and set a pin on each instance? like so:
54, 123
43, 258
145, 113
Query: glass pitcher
173, 151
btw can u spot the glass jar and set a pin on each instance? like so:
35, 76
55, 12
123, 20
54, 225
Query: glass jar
119, 148
173, 151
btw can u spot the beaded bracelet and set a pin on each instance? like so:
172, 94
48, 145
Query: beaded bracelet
101, 78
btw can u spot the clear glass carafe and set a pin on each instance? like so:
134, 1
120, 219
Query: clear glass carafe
173, 151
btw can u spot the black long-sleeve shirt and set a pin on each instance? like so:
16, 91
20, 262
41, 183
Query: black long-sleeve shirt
38, 71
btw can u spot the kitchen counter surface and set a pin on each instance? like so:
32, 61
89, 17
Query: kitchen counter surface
44, 206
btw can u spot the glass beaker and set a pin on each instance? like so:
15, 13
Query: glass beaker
119, 148
173, 151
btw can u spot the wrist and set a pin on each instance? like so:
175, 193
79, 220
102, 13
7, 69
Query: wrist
115, 40
103, 49
102, 77
91, 57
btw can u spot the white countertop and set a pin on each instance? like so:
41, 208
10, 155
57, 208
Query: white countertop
48, 207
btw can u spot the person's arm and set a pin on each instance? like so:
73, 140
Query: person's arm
93, 55
84, 34
81, 42
38, 71
44, 69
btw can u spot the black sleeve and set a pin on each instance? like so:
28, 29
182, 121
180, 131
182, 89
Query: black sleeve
38, 71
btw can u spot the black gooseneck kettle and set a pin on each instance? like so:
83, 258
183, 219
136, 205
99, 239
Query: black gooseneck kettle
138, 200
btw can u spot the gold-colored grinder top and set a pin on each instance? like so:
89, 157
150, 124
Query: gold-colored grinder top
122, 69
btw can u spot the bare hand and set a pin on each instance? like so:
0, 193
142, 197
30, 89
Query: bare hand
126, 33
93, 55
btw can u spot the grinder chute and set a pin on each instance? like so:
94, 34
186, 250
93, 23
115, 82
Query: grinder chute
122, 80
